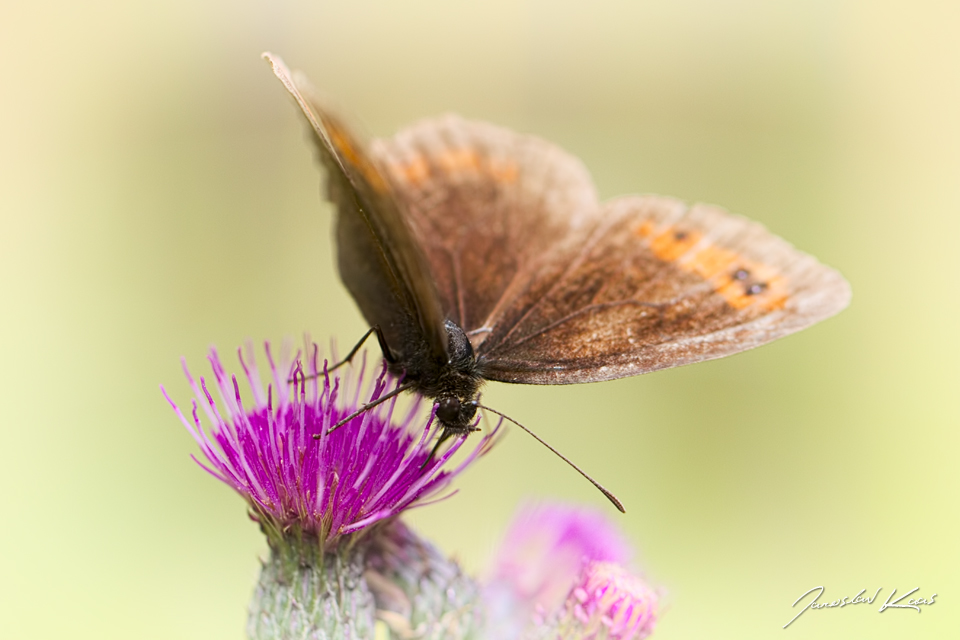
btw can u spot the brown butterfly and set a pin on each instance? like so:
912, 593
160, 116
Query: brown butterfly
477, 253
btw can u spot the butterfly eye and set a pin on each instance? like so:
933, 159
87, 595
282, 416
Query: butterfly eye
448, 409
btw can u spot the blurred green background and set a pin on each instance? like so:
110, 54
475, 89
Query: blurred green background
157, 196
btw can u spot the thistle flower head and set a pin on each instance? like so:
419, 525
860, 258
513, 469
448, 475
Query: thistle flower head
540, 559
547, 545
608, 603
298, 478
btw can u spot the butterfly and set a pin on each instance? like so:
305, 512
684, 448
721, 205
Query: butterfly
476, 253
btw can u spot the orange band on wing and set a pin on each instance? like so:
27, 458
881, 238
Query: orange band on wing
417, 170
504, 171
457, 160
414, 172
354, 159
741, 282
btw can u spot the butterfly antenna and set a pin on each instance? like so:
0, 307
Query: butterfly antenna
367, 407
612, 498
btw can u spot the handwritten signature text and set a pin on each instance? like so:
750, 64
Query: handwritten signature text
890, 603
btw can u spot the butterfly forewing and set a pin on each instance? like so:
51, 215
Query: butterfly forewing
380, 261
657, 285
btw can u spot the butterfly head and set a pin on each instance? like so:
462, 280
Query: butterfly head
455, 415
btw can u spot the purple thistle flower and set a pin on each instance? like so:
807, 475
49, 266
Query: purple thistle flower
608, 603
541, 558
547, 545
369, 469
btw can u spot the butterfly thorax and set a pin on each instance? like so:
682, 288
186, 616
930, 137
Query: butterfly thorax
453, 382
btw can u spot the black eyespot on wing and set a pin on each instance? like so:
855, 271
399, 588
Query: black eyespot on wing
756, 288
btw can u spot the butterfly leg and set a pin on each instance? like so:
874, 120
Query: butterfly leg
366, 407
387, 354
